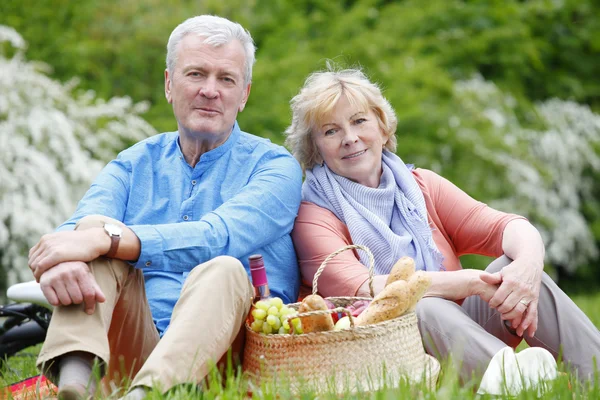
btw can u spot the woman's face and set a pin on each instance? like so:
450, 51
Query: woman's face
350, 142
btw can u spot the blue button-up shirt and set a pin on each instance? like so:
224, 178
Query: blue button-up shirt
240, 199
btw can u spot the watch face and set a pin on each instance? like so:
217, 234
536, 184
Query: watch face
113, 230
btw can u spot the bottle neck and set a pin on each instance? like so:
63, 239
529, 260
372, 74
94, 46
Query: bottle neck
259, 278
261, 292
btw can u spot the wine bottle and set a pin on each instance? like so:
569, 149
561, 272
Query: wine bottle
259, 277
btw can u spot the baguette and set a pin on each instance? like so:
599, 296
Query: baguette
418, 284
402, 270
390, 303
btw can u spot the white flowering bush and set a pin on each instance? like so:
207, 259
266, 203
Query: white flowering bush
551, 163
53, 142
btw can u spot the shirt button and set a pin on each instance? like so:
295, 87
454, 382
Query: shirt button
148, 263
193, 182
185, 217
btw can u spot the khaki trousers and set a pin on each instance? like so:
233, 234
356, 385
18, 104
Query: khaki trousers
206, 321
473, 333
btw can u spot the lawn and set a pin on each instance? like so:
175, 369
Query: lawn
236, 386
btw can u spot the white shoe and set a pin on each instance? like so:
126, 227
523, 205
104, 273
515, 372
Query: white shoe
509, 373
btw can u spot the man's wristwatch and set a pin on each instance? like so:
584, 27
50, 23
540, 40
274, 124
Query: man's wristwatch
114, 232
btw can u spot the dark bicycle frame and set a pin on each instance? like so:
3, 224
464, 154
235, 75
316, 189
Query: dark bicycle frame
23, 325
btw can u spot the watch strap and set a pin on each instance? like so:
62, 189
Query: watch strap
114, 245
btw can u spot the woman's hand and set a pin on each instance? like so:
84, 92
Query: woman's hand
518, 295
458, 285
483, 284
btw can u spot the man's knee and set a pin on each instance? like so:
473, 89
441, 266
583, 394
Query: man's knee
95, 221
229, 268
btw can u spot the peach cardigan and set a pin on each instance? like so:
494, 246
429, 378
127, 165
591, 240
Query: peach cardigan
461, 225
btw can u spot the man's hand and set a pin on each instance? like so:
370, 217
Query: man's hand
58, 247
69, 283
518, 295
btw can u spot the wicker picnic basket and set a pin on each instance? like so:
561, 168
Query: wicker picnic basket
362, 358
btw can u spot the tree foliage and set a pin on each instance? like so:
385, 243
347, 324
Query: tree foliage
52, 144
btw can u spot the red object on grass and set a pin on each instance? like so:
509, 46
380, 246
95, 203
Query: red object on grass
36, 387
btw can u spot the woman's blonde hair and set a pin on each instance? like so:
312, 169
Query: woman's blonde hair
319, 95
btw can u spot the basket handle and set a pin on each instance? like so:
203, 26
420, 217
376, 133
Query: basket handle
322, 312
341, 250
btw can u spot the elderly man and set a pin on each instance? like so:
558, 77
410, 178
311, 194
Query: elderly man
150, 275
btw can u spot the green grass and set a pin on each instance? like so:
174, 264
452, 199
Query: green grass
235, 385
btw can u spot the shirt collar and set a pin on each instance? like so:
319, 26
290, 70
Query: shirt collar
218, 151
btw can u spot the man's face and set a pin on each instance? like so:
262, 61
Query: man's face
207, 88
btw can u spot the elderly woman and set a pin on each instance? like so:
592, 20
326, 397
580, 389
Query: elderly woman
357, 190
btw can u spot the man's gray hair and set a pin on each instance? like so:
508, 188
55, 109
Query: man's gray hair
217, 31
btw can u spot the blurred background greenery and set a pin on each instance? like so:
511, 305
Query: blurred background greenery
476, 85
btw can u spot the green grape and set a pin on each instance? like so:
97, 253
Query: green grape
263, 304
272, 320
266, 328
289, 311
259, 313
271, 317
296, 322
276, 302
283, 331
285, 310
257, 326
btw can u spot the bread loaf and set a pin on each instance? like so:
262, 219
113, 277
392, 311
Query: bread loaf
402, 270
390, 303
418, 284
315, 323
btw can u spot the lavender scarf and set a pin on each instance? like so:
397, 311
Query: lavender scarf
390, 220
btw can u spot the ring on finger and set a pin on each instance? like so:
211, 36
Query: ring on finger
524, 302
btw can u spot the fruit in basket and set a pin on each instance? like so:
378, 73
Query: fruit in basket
402, 270
270, 316
315, 323
390, 303
358, 307
334, 316
259, 314
343, 323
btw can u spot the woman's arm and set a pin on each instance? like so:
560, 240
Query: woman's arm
450, 285
317, 233
458, 285
517, 297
